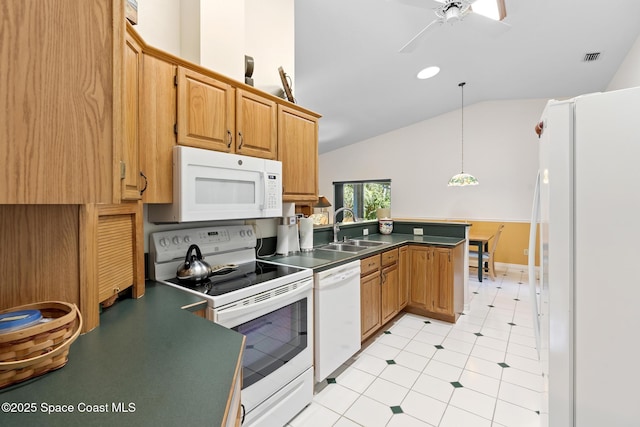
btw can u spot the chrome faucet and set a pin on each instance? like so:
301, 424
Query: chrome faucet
335, 221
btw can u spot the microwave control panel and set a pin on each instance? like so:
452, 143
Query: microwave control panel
273, 191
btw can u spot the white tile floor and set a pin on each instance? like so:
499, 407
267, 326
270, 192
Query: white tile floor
482, 371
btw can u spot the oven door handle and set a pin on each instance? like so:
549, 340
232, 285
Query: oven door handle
222, 316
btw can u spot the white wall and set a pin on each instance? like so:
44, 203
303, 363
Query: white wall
222, 37
628, 75
217, 34
270, 40
500, 149
159, 24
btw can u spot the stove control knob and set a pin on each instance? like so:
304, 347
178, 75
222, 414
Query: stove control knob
164, 242
187, 239
241, 233
249, 233
176, 240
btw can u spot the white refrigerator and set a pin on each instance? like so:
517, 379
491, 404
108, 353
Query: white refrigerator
587, 309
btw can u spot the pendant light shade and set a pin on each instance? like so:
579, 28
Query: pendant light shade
462, 179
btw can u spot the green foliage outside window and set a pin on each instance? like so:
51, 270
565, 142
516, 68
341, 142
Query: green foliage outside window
367, 197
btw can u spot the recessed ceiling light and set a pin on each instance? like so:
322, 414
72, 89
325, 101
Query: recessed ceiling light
428, 72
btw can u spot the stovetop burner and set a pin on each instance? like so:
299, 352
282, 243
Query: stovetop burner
243, 276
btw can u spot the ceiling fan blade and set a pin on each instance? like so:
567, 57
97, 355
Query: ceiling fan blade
486, 25
413, 43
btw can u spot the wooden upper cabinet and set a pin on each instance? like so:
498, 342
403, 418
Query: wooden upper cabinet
60, 101
130, 164
298, 152
157, 131
206, 109
256, 125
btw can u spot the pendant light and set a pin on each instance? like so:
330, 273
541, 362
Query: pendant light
462, 179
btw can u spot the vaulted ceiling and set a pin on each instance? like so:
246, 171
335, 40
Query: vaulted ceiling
348, 67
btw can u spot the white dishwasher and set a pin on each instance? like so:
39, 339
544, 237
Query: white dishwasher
337, 317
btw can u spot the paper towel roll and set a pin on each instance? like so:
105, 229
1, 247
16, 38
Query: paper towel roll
282, 245
288, 209
306, 234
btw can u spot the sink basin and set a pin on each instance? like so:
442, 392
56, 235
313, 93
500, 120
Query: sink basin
365, 243
343, 247
351, 245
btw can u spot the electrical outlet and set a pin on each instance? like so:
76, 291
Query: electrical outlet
365, 232
418, 231
526, 251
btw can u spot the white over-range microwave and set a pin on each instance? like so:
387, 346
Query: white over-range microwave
211, 185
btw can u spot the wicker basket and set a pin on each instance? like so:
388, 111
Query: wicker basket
38, 349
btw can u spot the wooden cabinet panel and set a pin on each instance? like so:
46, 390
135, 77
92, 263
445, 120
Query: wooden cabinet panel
256, 125
40, 254
60, 97
389, 289
116, 254
111, 255
130, 164
206, 110
157, 124
441, 286
403, 277
369, 265
436, 282
298, 152
419, 282
370, 304
389, 257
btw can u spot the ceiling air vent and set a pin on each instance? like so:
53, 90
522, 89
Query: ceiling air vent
589, 57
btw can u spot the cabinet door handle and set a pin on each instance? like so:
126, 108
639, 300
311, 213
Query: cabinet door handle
230, 137
146, 182
241, 140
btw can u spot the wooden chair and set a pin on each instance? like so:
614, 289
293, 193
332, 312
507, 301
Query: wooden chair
488, 257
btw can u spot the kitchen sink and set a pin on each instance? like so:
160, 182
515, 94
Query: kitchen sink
343, 247
365, 243
351, 245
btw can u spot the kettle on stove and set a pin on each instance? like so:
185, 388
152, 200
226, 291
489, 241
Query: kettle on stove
194, 269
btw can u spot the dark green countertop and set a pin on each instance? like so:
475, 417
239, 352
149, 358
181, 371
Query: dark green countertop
163, 364
320, 259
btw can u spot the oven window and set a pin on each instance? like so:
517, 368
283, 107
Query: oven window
273, 340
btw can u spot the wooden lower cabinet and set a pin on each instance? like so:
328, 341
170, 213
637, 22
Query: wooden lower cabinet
370, 298
379, 291
389, 281
403, 277
436, 284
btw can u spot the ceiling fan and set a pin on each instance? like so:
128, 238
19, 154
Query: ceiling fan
452, 11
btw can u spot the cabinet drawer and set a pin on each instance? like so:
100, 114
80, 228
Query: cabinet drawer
389, 257
368, 265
